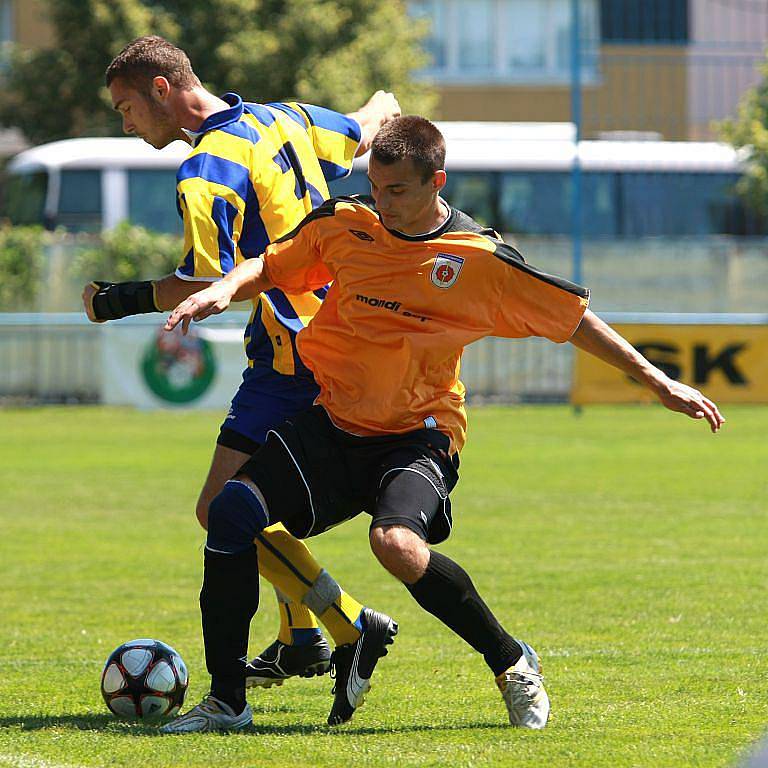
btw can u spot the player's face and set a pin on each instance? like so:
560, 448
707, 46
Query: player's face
404, 200
144, 116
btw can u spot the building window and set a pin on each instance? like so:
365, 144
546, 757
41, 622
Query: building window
6, 21
525, 41
644, 21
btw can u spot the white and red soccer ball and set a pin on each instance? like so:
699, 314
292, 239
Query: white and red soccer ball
144, 680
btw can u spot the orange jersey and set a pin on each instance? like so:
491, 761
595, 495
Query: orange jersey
385, 346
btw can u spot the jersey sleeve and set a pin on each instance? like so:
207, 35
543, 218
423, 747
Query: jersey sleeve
335, 138
212, 196
294, 262
534, 303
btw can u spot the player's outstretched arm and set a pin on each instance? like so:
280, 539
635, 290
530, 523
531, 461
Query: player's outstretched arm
599, 339
104, 301
245, 281
379, 109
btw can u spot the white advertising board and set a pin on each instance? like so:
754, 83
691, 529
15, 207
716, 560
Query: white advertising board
144, 366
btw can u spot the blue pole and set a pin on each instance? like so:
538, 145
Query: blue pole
576, 223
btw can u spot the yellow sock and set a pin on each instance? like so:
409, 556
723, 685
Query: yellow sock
289, 565
342, 619
293, 616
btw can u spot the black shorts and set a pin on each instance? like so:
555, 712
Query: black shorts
315, 476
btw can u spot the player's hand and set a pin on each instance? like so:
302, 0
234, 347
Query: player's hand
89, 292
684, 399
210, 301
385, 104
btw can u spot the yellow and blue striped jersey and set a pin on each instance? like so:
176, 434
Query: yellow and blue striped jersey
255, 171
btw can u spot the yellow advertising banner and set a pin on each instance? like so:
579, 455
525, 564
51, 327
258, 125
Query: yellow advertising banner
729, 363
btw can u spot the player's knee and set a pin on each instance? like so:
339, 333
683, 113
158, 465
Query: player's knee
235, 516
401, 551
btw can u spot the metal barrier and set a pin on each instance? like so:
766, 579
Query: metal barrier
64, 358
49, 358
59, 358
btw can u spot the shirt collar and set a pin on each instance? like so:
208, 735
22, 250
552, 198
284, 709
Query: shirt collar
218, 119
432, 234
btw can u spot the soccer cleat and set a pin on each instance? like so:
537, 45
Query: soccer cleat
352, 665
522, 688
211, 714
281, 661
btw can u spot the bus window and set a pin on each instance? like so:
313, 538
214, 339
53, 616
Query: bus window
539, 203
732, 215
152, 200
599, 204
80, 201
535, 203
475, 194
677, 204
25, 197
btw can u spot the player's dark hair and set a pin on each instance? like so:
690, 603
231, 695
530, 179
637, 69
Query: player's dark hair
147, 57
411, 137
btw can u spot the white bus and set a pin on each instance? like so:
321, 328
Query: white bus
514, 177
90, 185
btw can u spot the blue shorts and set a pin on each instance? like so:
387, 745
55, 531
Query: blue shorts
263, 401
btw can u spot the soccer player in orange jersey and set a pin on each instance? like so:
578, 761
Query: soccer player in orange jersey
414, 282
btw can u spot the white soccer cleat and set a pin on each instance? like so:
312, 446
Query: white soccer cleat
211, 714
522, 688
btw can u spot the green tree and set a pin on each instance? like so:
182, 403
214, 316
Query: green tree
750, 131
330, 52
22, 260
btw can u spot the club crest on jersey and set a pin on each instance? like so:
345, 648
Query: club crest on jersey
446, 270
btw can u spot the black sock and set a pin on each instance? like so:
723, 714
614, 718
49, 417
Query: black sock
447, 592
228, 601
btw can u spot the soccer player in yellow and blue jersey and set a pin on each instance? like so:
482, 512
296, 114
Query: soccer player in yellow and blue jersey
254, 172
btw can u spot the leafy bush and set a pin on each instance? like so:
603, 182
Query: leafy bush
45, 271
22, 266
128, 253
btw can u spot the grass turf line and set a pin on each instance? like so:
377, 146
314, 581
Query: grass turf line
627, 545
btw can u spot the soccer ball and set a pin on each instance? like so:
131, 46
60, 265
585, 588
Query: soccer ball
144, 680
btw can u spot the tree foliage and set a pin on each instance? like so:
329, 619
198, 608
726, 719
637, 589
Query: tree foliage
750, 131
45, 271
329, 52
125, 253
22, 259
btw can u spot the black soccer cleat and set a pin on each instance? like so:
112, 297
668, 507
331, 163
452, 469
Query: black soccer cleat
281, 661
352, 665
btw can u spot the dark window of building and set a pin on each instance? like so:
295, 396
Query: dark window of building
644, 21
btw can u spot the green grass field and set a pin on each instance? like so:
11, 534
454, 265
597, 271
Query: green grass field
627, 545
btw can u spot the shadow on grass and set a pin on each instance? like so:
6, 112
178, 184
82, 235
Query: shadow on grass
379, 730
108, 724
102, 722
